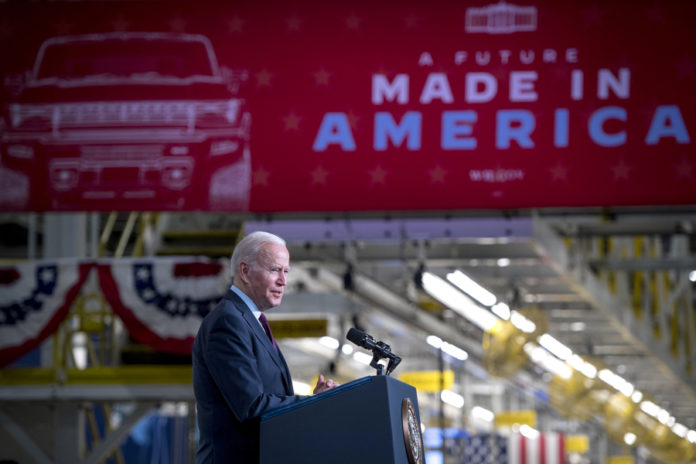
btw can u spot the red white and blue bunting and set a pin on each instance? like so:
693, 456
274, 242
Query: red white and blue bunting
161, 301
36, 297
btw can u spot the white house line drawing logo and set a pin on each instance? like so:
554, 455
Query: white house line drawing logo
501, 18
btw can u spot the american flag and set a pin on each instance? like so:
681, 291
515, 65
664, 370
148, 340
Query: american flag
486, 448
492, 448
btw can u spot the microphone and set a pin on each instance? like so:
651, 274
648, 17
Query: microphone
380, 350
361, 338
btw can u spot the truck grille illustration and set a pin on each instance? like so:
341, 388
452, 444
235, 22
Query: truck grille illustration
127, 120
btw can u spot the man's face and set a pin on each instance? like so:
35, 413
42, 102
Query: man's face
267, 278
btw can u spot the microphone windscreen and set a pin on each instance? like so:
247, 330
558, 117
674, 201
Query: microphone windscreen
356, 336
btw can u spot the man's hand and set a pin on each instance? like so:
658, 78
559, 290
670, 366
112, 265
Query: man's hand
323, 385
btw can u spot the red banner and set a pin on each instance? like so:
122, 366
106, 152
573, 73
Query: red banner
325, 106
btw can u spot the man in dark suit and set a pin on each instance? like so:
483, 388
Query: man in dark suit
238, 370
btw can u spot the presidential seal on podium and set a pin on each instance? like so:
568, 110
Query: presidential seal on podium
411, 429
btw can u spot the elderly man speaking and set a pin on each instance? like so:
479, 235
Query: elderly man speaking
238, 370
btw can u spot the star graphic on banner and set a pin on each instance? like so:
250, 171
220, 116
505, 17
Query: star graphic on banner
559, 172
142, 273
685, 168
621, 170
172, 305
120, 24
149, 294
261, 177
293, 23
263, 78
353, 22
292, 121
321, 77
437, 175
177, 24
47, 275
353, 119
686, 68
378, 175
235, 24
411, 21
319, 175
594, 16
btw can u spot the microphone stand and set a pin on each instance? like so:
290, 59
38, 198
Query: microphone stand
381, 351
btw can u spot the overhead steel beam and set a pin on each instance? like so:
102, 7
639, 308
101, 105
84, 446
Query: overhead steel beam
644, 264
636, 332
115, 437
23, 440
89, 392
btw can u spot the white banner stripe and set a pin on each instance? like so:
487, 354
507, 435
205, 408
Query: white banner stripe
514, 448
552, 448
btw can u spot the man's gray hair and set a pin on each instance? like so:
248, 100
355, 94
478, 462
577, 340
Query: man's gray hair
248, 248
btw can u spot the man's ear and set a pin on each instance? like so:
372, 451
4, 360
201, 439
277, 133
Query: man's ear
244, 272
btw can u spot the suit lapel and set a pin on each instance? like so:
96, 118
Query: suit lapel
258, 331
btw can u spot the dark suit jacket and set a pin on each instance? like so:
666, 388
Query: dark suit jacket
237, 376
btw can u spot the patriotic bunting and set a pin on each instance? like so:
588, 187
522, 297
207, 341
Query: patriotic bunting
161, 301
35, 298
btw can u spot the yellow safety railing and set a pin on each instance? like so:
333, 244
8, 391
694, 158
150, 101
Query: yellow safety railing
650, 293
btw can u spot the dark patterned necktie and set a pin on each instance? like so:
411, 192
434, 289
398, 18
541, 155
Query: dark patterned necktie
267, 328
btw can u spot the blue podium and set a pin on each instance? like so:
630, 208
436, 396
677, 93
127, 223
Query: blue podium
370, 420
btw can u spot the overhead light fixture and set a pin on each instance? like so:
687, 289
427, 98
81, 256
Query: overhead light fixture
503, 262
486, 415
691, 436
650, 408
451, 297
455, 351
579, 364
452, 398
434, 341
616, 381
556, 348
665, 418
450, 349
329, 342
347, 349
637, 396
630, 438
501, 310
543, 358
577, 326
692, 276
529, 432
522, 323
472, 288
